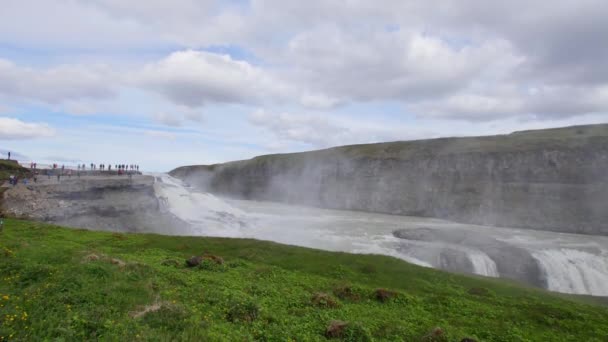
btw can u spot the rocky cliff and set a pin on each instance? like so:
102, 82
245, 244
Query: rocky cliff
115, 203
555, 179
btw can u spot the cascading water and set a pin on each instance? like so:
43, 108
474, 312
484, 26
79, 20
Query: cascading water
574, 271
570, 263
483, 264
207, 214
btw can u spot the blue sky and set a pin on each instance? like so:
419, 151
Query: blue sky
163, 84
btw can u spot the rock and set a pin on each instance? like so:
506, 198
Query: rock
335, 329
385, 295
194, 261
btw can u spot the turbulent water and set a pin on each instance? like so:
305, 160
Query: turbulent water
559, 262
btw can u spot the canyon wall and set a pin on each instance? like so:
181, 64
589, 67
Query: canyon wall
114, 203
555, 179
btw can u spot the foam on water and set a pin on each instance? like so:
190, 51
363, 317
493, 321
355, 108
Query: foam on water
574, 271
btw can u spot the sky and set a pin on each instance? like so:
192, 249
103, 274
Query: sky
169, 83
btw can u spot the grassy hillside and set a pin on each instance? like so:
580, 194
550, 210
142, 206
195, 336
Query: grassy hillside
67, 284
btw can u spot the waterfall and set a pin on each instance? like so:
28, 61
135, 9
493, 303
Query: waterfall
206, 214
574, 271
570, 263
482, 264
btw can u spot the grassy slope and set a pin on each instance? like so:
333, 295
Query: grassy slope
50, 289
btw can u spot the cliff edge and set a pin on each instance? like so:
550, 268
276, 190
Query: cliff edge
552, 179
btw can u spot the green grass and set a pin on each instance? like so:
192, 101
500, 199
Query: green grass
74, 285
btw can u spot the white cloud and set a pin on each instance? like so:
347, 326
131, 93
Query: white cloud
56, 84
395, 65
195, 78
14, 129
319, 131
160, 134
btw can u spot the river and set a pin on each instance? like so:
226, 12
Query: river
559, 262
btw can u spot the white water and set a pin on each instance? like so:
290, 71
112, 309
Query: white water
574, 271
482, 264
572, 263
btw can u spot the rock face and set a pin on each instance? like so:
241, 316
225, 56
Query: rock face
109, 202
554, 179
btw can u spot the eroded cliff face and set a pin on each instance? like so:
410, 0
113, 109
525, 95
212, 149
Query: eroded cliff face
112, 203
549, 179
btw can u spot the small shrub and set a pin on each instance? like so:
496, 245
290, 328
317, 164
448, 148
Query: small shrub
170, 263
97, 271
323, 300
214, 258
356, 332
384, 295
169, 317
335, 329
194, 261
210, 265
119, 236
435, 335
91, 257
351, 332
479, 291
246, 311
368, 269
34, 274
137, 271
346, 292
236, 263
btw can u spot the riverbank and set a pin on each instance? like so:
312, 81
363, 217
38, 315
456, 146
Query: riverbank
76, 284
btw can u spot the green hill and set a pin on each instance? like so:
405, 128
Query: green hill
64, 284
